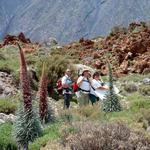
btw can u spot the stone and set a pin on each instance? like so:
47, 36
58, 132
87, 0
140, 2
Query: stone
7, 88
146, 81
2, 121
7, 118
8, 91
148, 129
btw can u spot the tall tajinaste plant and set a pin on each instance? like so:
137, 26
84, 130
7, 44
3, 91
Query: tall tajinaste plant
24, 81
43, 105
27, 126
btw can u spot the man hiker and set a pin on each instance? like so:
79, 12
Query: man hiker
84, 88
67, 90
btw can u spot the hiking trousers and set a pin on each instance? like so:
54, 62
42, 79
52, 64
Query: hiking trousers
83, 99
67, 98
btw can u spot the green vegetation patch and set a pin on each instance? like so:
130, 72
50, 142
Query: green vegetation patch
7, 106
50, 133
6, 140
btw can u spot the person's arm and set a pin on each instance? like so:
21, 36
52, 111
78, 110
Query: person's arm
102, 88
97, 86
80, 80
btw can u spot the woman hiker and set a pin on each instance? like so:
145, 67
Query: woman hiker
96, 85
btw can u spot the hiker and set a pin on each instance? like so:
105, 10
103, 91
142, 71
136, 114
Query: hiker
84, 87
96, 85
67, 90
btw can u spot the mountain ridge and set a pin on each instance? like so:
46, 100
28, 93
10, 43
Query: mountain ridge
69, 20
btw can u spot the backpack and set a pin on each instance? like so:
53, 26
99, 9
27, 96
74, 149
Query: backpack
75, 87
59, 86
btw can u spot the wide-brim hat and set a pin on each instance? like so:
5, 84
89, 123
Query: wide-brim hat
85, 70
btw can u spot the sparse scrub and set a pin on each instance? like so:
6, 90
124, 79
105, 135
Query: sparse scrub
89, 112
108, 137
66, 116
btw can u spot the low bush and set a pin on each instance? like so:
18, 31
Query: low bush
7, 106
114, 136
145, 90
130, 87
6, 140
146, 115
88, 112
66, 116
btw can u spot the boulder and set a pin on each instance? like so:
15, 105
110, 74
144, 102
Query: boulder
7, 88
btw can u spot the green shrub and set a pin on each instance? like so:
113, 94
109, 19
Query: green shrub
6, 140
144, 90
56, 66
7, 106
50, 133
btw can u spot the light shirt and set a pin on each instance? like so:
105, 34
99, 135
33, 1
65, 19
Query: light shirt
95, 84
66, 80
85, 85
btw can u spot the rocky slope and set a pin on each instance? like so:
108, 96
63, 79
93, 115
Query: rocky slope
68, 20
128, 50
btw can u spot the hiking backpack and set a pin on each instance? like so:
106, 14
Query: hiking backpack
59, 86
75, 87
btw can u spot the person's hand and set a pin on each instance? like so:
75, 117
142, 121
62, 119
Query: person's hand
65, 86
106, 87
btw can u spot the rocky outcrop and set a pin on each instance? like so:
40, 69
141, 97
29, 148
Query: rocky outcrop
27, 45
10, 39
7, 87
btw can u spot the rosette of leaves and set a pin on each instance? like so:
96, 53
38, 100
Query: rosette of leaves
111, 102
